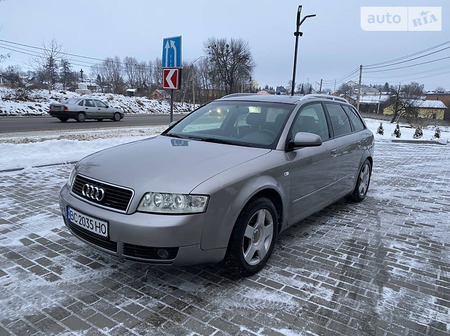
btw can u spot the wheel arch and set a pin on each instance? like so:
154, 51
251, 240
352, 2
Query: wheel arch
274, 196
218, 235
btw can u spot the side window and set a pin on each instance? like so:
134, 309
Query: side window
100, 104
89, 102
311, 118
339, 120
355, 119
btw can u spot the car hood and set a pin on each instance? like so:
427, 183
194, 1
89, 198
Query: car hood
164, 164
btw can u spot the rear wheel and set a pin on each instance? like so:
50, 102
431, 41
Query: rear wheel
100, 119
253, 238
362, 184
81, 117
116, 116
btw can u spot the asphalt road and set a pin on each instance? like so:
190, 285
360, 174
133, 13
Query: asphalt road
47, 123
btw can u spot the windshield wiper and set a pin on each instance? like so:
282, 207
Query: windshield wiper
178, 136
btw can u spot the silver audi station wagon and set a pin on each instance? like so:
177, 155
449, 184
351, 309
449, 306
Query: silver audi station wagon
222, 183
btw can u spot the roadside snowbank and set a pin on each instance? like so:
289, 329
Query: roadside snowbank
36, 102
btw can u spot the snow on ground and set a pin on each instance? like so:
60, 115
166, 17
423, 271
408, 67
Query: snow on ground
46, 148
52, 148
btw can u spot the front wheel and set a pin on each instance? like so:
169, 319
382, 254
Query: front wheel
253, 238
362, 184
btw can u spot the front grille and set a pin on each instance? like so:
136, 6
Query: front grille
115, 197
92, 238
146, 252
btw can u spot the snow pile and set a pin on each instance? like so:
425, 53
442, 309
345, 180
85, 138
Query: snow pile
53, 148
407, 132
36, 102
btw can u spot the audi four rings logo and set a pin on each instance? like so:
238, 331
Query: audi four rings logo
93, 192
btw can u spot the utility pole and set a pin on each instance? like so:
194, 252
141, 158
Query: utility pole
297, 34
359, 87
320, 87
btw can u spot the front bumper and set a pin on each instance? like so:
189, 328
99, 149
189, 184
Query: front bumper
156, 239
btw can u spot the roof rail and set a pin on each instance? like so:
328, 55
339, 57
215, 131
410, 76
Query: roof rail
325, 96
239, 94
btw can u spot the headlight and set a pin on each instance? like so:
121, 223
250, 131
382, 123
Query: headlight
71, 179
173, 203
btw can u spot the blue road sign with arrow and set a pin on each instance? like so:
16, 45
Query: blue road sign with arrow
171, 55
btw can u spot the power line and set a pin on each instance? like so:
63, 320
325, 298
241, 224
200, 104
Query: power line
409, 66
408, 60
371, 68
21, 48
410, 55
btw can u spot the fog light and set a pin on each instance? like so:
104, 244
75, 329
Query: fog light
162, 253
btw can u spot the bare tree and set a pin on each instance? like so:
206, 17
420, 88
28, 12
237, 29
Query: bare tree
231, 64
130, 65
110, 71
12, 75
407, 101
47, 63
157, 72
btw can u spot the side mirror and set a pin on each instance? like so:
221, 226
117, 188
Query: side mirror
304, 139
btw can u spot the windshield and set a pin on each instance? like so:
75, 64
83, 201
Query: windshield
254, 124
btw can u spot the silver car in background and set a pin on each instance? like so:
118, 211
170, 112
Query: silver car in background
222, 183
84, 108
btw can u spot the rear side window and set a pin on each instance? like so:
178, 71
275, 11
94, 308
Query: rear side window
355, 119
339, 120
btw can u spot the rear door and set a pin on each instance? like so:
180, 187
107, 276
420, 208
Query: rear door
89, 108
345, 148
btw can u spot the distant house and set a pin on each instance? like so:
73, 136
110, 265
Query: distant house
443, 97
430, 109
370, 103
132, 92
159, 94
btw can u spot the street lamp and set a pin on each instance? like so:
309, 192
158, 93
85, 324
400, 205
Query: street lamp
193, 78
298, 33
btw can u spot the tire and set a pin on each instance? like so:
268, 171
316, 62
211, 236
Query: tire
253, 238
99, 119
63, 119
81, 117
116, 116
362, 183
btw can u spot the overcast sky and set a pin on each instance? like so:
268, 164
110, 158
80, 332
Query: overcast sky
333, 46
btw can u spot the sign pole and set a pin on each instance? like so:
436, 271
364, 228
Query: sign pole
171, 105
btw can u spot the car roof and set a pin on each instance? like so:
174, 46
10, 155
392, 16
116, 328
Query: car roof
281, 98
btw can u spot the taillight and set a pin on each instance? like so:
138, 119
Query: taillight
66, 109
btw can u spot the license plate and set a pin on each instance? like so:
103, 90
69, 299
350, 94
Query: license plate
89, 223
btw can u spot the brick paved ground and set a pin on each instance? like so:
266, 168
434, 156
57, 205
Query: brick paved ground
381, 267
